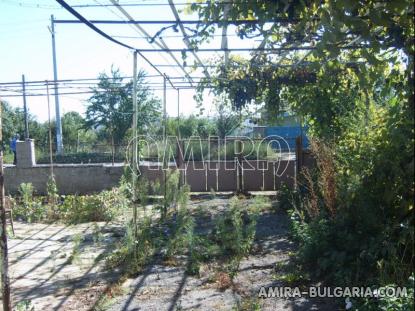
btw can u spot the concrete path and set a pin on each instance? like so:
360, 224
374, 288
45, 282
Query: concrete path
45, 271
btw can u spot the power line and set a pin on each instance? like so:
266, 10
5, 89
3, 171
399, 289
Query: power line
134, 28
85, 6
80, 80
105, 35
171, 22
170, 36
162, 44
149, 86
270, 50
88, 92
31, 5
185, 36
137, 4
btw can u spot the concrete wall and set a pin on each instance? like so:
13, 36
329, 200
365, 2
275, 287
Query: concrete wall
70, 179
88, 178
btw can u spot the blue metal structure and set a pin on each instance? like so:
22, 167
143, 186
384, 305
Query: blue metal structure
283, 137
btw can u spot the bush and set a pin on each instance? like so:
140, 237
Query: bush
133, 253
176, 237
83, 157
404, 303
105, 206
355, 225
235, 229
28, 208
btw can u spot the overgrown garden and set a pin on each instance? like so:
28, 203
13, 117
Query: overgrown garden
345, 68
353, 214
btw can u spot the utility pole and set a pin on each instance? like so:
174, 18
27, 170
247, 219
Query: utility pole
5, 280
26, 122
59, 143
50, 133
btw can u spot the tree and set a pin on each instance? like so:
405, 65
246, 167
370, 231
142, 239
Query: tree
110, 107
74, 131
9, 122
13, 123
226, 119
189, 126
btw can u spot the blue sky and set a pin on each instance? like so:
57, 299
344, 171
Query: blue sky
82, 53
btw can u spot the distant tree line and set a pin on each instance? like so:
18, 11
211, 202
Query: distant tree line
108, 119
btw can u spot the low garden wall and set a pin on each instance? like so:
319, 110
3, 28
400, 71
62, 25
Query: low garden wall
70, 178
89, 178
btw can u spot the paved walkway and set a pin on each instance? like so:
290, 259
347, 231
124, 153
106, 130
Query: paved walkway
43, 271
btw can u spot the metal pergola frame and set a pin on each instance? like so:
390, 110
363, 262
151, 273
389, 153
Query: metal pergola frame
187, 80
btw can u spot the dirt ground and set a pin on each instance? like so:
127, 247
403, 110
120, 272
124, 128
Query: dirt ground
58, 267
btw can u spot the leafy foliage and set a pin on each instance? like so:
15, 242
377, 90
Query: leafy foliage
71, 209
104, 206
354, 90
111, 105
83, 157
29, 208
404, 302
178, 237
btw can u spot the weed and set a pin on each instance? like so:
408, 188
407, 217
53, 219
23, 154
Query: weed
228, 239
143, 187
144, 247
104, 206
97, 235
30, 209
53, 198
106, 298
248, 304
212, 194
223, 280
236, 228
26, 192
24, 305
182, 230
77, 240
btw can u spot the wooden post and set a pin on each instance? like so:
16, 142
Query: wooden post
178, 113
179, 159
165, 163
298, 157
135, 155
240, 167
5, 281
180, 151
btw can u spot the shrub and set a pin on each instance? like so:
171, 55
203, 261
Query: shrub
133, 253
104, 206
236, 228
28, 208
398, 303
350, 215
83, 157
52, 199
